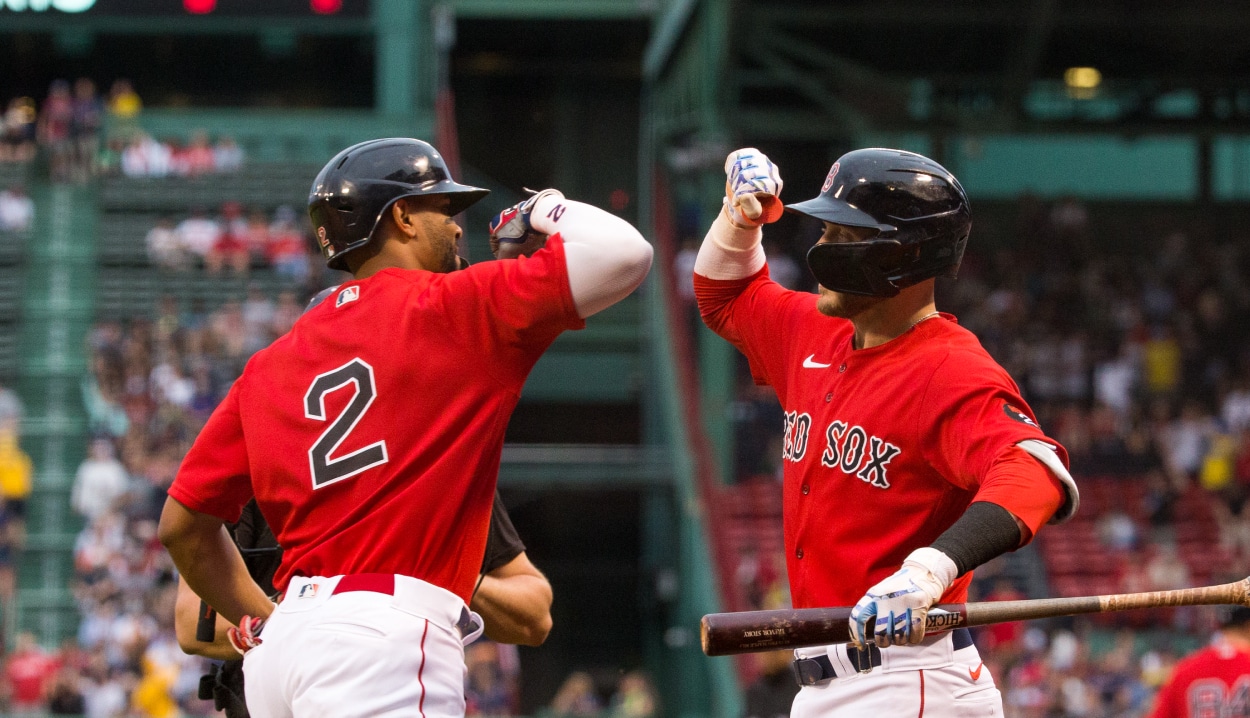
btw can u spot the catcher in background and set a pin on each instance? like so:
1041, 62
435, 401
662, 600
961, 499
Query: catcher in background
1215, 681
909, 456
513, 598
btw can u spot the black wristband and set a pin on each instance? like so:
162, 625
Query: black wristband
986, 530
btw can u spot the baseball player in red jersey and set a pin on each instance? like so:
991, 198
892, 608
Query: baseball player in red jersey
909, 456
370, 436
1215, 681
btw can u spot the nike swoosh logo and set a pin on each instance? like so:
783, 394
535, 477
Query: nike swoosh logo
977, 673
809, 364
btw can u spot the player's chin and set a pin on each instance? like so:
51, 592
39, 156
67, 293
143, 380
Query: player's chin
843, 306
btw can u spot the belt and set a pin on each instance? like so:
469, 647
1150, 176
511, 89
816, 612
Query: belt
810, 671
385, 583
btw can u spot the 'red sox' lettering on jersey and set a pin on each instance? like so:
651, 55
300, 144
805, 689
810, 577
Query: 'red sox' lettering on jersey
909, 427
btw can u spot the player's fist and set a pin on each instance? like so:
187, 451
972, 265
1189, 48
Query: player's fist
893, 612
752, 188
512, 235
247, 635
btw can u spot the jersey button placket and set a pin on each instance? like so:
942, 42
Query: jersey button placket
806, 489
798, 553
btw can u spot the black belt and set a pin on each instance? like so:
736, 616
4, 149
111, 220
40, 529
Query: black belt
810, 671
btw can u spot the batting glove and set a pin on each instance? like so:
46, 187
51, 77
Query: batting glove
512, 226
752, 188
893, 612
247, 635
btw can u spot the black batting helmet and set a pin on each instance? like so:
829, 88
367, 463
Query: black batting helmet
918, 209
358, 185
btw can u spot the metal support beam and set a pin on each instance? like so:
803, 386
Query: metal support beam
665, 33
814, 90
1019, 72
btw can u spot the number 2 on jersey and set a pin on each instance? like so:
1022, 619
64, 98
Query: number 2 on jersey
326, 471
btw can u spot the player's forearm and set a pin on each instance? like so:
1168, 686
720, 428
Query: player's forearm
515, 609
187, 609
607, 257
205, 556
729, 251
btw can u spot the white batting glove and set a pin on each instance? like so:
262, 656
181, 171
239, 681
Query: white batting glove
752, 188
896, 608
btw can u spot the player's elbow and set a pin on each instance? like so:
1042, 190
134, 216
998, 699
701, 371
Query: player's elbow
535, 634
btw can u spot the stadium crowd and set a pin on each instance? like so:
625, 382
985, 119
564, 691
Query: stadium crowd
82, 134
232, 241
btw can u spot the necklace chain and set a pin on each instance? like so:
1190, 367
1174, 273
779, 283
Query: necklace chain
930, 315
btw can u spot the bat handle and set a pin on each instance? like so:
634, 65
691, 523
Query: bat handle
206, 626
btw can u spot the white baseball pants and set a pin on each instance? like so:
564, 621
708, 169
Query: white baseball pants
354, 650
929, 680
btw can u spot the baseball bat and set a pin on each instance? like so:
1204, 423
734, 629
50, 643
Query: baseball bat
206, 626
726, 634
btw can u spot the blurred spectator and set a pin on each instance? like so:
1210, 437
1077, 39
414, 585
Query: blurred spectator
1165, 570
55, 127
231, 248
165, 248
199, 234
635, 697
256, 235
18, 131
17, 209
65, 697
29, 671
122, 107
576, 698
196, 158
285, 313
257, 314
100, 481
86, 120
490, 687
771, 694
11, 409
288, 249
145, 157
16, 472
227, 155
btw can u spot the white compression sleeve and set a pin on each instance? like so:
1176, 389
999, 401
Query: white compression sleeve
607, 257
730, 251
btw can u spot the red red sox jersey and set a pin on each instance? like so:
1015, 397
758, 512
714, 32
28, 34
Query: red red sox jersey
371, 433
884, 447
1212, 683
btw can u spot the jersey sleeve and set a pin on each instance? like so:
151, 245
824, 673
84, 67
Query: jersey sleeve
970, 414
214, 477
1022, 485
756, 315
514, 308
502, 542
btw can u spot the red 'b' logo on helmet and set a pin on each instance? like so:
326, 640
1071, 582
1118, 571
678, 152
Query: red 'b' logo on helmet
829, 180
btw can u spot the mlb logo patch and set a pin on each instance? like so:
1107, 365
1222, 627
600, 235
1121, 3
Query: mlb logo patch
349, 294
308, 590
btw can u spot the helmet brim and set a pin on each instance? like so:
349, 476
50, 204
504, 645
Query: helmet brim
836, 211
